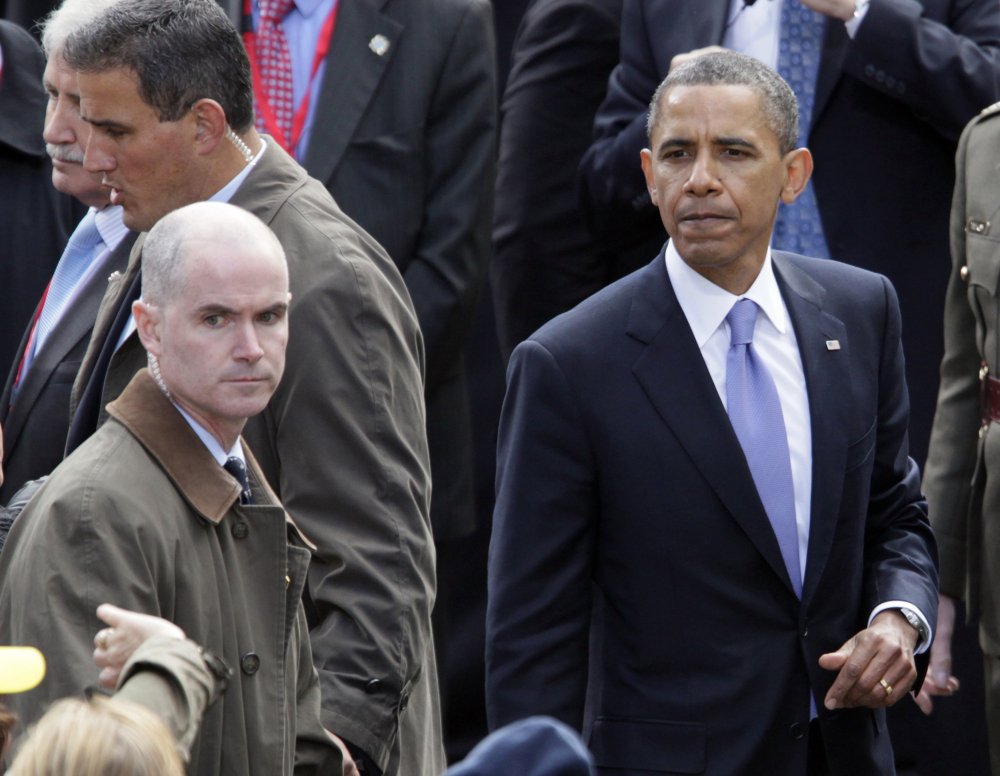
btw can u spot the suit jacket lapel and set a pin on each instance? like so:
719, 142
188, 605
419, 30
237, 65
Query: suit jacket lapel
828, 384
673, 374
835, 44
353, 72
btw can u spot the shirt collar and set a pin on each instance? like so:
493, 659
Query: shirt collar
706, 305
110, 226
226, 192
211, 442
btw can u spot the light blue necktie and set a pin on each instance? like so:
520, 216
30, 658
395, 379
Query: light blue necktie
73, 265
798, 227
755, 412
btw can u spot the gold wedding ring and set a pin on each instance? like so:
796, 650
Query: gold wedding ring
886, 686
102, 639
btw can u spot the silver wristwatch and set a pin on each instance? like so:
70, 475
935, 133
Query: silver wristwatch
860, 6
916, 622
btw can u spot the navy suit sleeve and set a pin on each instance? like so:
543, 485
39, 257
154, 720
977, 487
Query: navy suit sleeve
946, 72
900, 552
542, 549
612, 187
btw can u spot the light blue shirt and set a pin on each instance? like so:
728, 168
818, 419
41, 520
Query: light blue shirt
302, 27
220, 455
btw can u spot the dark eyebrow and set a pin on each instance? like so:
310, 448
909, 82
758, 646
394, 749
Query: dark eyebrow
218, 309
734, 141
674, 142
106, 123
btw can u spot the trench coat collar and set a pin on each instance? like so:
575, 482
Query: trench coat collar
152, 419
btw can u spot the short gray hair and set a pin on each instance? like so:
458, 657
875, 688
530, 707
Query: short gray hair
163, 256
727, 68
66, 19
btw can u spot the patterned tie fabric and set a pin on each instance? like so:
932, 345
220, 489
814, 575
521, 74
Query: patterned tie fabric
755, 412
237, 468
275, 64
798, 227
72, 266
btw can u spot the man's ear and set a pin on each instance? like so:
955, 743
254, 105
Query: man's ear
210, 125
647, 170
147, 326
798, 168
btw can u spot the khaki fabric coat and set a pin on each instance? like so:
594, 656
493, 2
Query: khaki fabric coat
142, 516
343, 442
962, 476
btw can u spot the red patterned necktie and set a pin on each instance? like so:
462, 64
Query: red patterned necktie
275, 66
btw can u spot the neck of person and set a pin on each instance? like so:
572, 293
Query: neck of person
230, 162
225, 430
737, 274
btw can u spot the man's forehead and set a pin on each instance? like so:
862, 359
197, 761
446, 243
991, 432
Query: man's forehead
730, 108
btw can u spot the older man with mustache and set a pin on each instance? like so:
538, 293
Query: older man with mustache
34, 408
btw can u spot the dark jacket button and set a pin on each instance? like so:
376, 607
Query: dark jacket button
373, 686
404, 701
250, 663
795, 731
870, 71
240, 530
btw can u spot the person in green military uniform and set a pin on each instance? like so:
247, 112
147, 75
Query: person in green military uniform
962, 477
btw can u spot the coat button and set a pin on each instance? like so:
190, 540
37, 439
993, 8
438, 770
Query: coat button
890, 82
404, 701
240, 530
250, 664
373, 686
964, 273
880, 76
870, 71
795, 731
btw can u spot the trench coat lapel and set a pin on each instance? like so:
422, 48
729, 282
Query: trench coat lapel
672, 372
828, 387
354, 69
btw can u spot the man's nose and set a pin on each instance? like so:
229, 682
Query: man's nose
97, 157
247, 347
704, 178
58, 130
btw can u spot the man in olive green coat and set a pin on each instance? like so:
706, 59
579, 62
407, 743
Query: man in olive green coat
164, 510
962, 477
343, 440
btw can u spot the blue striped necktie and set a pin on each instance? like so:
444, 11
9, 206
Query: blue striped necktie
798, 227
755, 412
73, 265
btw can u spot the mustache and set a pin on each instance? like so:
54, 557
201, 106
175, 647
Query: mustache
64, 152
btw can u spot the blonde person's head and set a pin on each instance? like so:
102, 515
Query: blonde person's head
99, 737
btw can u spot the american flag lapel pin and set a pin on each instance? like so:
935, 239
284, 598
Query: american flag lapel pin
833, 344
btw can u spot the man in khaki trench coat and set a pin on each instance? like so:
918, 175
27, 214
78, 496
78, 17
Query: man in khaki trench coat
165, 511
343, 440
962, 478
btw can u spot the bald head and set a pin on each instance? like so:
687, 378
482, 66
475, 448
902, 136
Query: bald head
166, 248
214, 313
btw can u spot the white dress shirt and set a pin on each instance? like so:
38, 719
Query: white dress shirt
706, 306
755, 29
220, 455
222, 195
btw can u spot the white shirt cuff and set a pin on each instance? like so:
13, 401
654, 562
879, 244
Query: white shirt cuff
924, 645
853, 24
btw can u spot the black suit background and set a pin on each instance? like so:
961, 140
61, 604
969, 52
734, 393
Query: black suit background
36, 219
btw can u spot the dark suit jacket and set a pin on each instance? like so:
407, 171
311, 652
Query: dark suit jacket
37, 220
627, 518
36, 420
405, 141
890, 106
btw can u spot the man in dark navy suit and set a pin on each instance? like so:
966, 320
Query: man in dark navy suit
710, 551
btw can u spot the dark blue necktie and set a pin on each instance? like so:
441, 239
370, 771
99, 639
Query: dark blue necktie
798, 227
236, 468
755, 412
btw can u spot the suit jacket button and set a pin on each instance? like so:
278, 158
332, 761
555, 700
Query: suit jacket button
250, 663
373, 686
240, 530
795, 731
870, 71
880, 76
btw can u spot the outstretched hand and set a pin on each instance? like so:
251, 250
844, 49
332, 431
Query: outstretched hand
115, 645
876, 666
